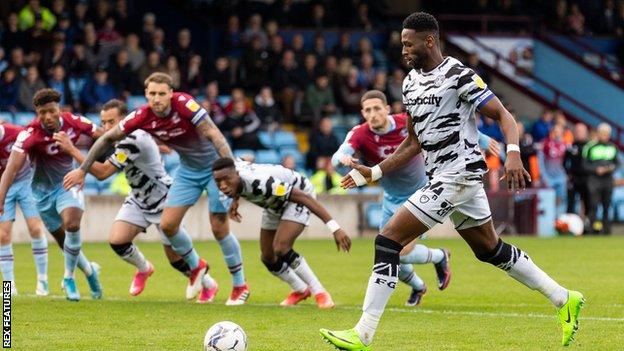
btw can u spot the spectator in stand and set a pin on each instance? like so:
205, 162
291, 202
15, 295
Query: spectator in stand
183, 51
108, 34
395, 85
577, 178
79, 18
601, 161
122, 17
150, 66
343, 48
576, 20
560, 119
365, 46
541, 127
528, 154
212, 104
172, 69
271, 28
474, 62
267, 110
320, 49
93, 52
232, 42
323, 142
136, 55
12, 35
147, 31
18, 62
319, 19
607, 22
65, 28
320, 98
9, 90
242, 126
29, 13
310, 71
238, 95
193, 79
222, 74
254, 29
351, 92
298, 47
58, 7
394, 50
97, 91
100, 12
59, 83
57, 55
331, 69
287, 80
158, 43
38, 38
286, 12
380, 82
554, 173
362, 19
121, 75
276, 50
255, 65
28, 87
79, 65
366, 73
326, 179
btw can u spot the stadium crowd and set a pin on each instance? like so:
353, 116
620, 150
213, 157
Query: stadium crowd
260, 80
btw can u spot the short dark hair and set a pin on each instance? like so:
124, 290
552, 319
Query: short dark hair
421, 22
118, 104
222, 163
45, 96
374, 94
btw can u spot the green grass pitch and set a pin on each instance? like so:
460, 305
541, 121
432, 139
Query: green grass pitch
482, 309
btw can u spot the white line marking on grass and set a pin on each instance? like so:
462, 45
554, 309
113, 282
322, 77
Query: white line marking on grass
417, 310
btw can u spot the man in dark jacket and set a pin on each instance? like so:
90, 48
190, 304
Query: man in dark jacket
573, 163
241, 126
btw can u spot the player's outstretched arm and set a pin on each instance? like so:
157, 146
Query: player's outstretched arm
100, 170
515, 174
14, 164
76, 177
209, 130
340, 236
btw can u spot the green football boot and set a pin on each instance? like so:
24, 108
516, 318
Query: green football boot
344, 340
568, 316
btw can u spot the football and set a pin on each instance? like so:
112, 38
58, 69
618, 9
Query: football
225, 336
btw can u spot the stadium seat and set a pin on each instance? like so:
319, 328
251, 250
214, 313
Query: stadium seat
94, 117
283, 139
266, 139
6, 117
373, 214
23, 118
268, 156
135, 101
240, 153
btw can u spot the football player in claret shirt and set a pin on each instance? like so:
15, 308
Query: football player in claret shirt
177, 120
60, 209
20, 193
287, 198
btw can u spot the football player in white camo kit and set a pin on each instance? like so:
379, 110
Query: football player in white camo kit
287, 198
441, 96
139, 157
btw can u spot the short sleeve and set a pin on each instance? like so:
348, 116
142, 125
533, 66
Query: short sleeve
24, 141
189, 108
132, 121
127, 151
352, 139
85, 125
472, 89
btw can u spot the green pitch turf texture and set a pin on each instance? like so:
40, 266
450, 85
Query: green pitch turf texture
482, 309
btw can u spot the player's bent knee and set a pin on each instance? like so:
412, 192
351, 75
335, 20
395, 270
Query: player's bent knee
281, 249
273, 266
121, 249
170, 228
72, 226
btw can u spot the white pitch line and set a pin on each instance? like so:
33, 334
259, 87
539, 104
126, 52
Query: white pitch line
417, 310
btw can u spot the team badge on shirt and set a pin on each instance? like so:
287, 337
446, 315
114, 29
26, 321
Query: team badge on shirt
192, 105
121, 157
280, 190
478, 81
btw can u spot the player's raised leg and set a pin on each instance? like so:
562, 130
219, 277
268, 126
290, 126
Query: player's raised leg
287, 233
490, 248
279, 268
402, 228
120, 239
182, 244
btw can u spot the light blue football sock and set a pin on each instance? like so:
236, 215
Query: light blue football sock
181, 243
6, 262
84, 265
232, 253
40, 254
409, 277
71, 250
421, 254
